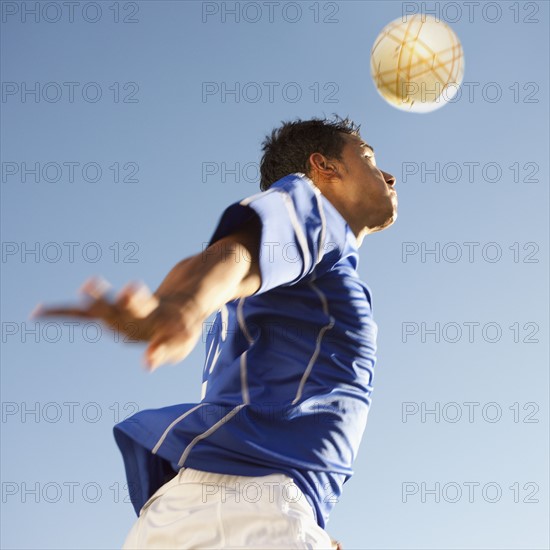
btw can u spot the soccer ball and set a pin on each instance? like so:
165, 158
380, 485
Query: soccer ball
417, 64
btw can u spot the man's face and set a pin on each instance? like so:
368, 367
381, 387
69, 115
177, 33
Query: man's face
368, 190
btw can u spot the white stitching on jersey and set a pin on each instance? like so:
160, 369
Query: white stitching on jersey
322, 237
163, 436
317, 192
313, 358
224, 319
244, 328
247, 200
216, 355
289, 204
208, 354
297, 228
208, 432
244, 379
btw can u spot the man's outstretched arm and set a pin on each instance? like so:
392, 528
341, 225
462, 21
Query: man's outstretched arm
171, 318
225, 271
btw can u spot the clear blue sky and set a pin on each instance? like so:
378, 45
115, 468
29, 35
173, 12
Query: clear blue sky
148, 186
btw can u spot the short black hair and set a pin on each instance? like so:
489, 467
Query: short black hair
288, 148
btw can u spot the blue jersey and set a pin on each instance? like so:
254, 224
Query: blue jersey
288, 375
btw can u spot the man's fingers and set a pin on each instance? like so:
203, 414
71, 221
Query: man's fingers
36, 312
102, 305
170, 347
155, 356
137, 299
95, 287
163, 350
41, 311
96, 310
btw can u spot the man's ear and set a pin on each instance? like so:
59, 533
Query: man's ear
323, 166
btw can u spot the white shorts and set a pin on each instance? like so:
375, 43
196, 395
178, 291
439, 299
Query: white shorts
204, 510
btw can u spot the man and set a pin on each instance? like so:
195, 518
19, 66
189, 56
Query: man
261, 460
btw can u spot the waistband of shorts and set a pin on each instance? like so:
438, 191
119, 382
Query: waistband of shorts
200, 476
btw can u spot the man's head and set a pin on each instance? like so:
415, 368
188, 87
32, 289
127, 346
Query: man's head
340, 164
288, 148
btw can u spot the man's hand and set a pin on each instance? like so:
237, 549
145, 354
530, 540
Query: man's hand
171, 318
171, 327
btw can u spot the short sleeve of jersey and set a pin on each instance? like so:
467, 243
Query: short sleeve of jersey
302, 232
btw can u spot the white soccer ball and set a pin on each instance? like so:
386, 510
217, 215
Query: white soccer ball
417, 63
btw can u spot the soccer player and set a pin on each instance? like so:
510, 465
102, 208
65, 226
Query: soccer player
287, 381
